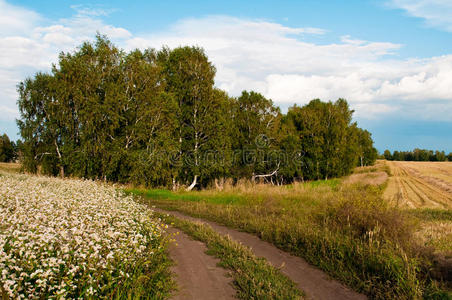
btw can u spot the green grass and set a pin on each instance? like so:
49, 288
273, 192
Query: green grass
253, 278
160, 194
225, 197
430, 214
349, 232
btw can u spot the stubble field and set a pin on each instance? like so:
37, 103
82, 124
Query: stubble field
420, 184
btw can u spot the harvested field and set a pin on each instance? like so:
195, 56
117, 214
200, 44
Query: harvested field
372, 178
420, 184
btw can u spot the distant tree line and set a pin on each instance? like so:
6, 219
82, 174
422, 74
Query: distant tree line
417, 155
155, 118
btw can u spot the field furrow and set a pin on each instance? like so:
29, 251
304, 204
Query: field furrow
415, 185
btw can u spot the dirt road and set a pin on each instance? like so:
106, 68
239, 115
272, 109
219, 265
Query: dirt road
197, 274
315, 283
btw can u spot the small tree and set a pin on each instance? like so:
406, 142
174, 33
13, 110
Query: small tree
7, 149
387, 155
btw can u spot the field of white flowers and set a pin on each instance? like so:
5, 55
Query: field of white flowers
77, 239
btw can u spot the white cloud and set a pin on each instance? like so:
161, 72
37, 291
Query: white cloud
260, 55
16, 20
277, 61
29, 43
436, 13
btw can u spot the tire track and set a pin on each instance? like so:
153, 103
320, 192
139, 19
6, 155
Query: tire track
314, 282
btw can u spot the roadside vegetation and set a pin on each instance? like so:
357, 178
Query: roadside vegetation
254, 278
78, 239
348, 230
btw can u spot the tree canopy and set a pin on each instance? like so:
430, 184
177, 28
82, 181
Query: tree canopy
155, 118
417, 155
8, 149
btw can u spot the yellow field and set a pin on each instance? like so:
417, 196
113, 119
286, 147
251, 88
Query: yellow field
420, 184
10, 167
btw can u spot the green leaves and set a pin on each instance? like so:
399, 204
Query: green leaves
155, 118
7, 149
328, 143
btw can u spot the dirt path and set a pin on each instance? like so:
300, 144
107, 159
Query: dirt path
314, 282
197, 274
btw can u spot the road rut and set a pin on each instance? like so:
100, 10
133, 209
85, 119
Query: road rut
197, 275
314, 282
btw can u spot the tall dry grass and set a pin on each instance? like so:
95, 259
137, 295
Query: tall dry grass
347, 230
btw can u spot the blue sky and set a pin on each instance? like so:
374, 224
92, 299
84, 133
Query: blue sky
392, 60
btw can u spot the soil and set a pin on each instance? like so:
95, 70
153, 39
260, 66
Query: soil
197, 275
314, 282
408, 187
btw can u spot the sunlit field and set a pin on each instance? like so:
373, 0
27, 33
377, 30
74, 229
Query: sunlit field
77, 239
424, 189
420, 184
344, 226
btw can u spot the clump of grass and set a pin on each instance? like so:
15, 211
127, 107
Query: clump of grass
10, 167
254, 278
348, 231
431, 214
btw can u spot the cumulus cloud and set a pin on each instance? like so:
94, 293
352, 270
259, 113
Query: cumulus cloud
436, 13
16, 20
30, 43
278, 61
260, 55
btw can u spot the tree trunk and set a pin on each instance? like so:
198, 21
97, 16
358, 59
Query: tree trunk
219, 184
174, 184
254, 177
192, 185
60, 158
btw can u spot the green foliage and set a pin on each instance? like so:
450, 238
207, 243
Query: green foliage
327, 143
256, 135
7, 149
154, 118
417, 155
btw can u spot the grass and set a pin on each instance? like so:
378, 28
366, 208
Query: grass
160, 194
435, 229
431, 214
379, 166
254, 278
10, 167
231, 196
349, 231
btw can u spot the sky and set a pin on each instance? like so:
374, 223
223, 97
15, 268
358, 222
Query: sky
391, 59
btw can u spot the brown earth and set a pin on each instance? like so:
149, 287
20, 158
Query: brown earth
197, 275
314, 282
420, 184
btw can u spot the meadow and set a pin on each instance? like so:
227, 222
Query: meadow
77, 238
344, 226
